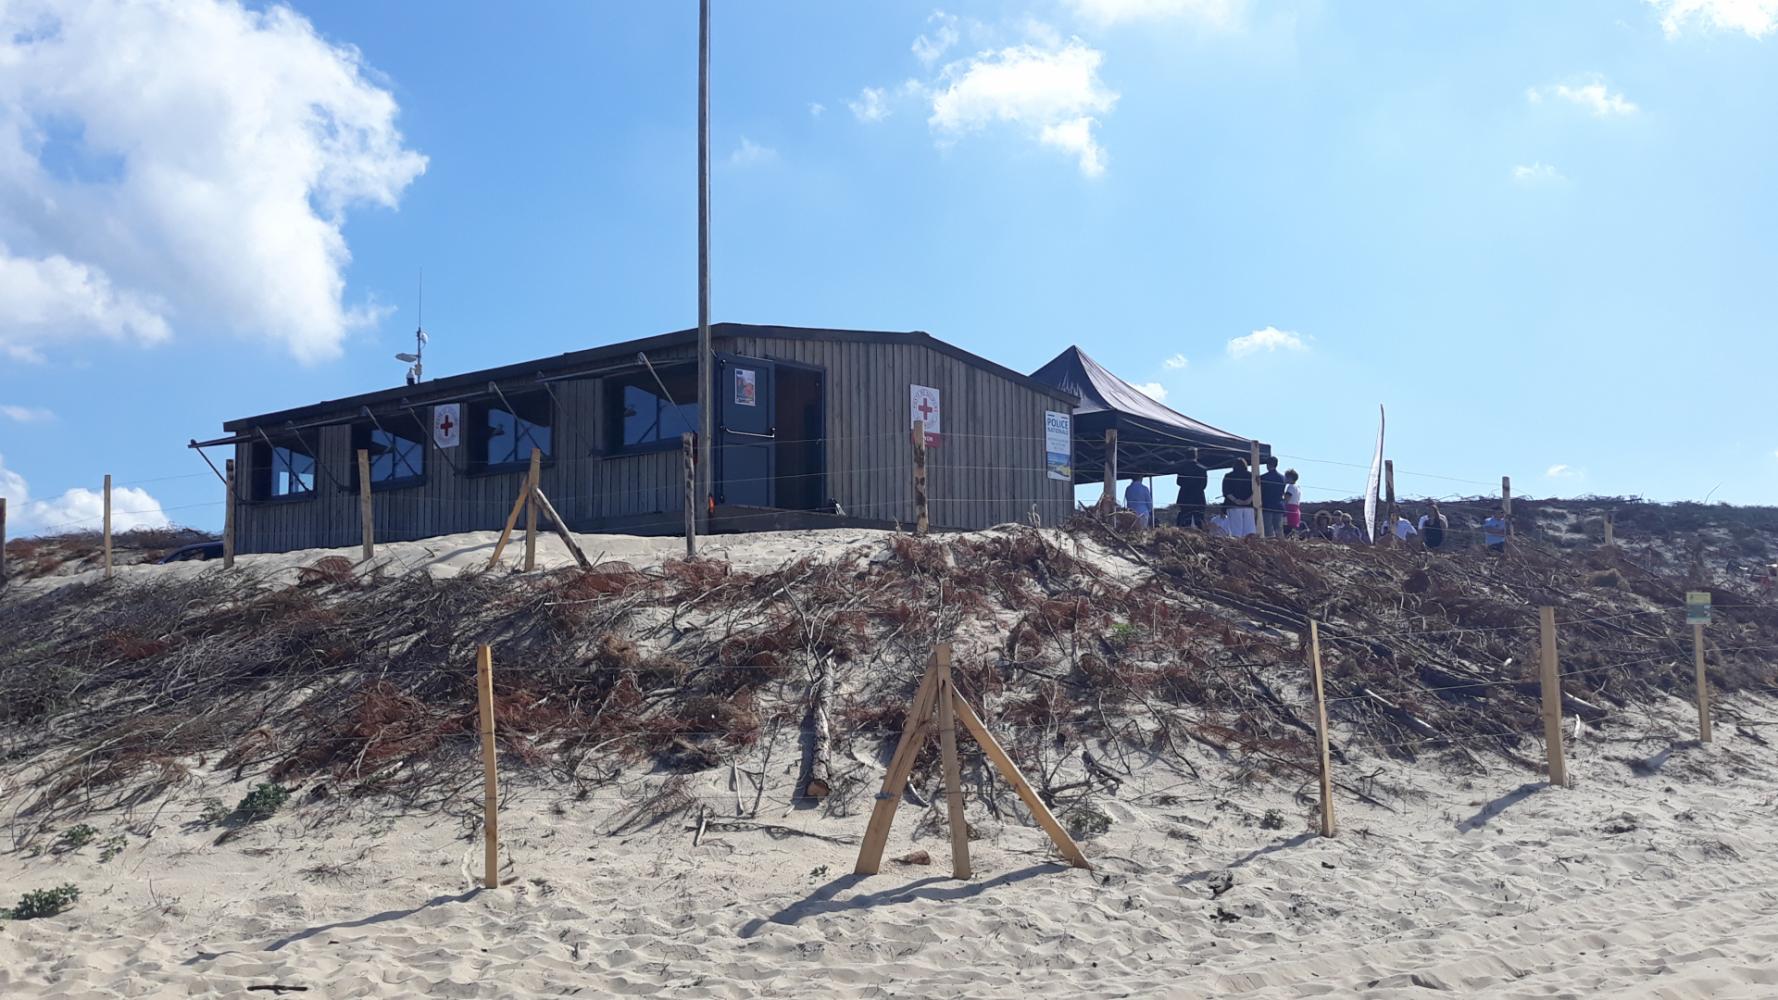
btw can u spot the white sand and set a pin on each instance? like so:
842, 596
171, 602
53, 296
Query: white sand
1488, 887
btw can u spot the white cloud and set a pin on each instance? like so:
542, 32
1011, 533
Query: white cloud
26, 414
1216, 13
1593, 94
870, 106
1537, 173
749, 153
1176, 362
1153, 390
816, 109
1559, 471
78, 509
1758, 18
929, 49
1050, 93
1270, 340
175, 164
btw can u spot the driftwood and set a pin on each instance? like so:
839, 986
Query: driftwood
815, 781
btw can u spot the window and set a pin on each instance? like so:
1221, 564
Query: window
645, 414
283, 468
502, 437
397, 457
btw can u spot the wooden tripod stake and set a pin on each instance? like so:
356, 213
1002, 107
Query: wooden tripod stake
484, 696
364, 508
1552, 698
1328, 828
1703, 683
936, 704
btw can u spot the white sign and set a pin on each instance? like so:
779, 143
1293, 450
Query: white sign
926, 412
1058, 445
447, 424
746, 387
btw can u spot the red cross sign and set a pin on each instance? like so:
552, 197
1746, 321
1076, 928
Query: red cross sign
925, 402
446, 425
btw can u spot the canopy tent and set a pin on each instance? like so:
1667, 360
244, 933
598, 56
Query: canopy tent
1152, 439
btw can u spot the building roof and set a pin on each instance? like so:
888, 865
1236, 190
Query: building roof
607, 359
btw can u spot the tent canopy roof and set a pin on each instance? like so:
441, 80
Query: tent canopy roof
1153, 439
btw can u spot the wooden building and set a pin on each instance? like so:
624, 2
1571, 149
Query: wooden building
813, 429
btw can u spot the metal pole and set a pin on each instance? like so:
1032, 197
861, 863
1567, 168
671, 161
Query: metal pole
706, 378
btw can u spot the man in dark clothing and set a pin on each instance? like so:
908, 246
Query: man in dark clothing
1237, 500
1193, 479
1432, 527
1271, 498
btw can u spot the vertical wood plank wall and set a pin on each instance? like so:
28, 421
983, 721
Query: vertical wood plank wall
989, 469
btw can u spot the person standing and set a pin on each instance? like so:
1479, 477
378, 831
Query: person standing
1237, 499
1293, 501
1494, 532
1139, 500
1345, 530
1404, 528
1432, 527
1193, 480
1271, 498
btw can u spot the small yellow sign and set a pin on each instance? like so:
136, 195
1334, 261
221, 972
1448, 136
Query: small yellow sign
1697, 607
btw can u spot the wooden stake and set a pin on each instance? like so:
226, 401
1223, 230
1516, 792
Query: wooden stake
1028, 795
1609, 541
947, 743
688, 452
1394, 512
1703, 683
562, 530
882, 814
364, 508
511, 520
228, 515
1327, 806
1506, 503
922, 520
531, 511
107, 526
1259, 509
484, 696
1108, 502
1552, 699
2, 541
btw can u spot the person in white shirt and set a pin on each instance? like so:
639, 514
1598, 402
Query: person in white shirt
1293, 501
1139, 500
1404, 528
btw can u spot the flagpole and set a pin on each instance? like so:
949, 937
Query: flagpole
706, 377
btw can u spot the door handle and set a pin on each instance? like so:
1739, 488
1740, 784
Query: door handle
750, 434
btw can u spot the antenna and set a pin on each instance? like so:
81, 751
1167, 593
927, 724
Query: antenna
416, 367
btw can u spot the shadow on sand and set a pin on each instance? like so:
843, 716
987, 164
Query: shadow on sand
375, 918
1494, 808
822, 899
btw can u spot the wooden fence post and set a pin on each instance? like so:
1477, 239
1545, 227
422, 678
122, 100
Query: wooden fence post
1327, 806
922, 516
364, 508
484, 696
1259, 510
1552, 698
1506, 504
947, 744
2, 541
531, 510
1393, 512
1609, 541
688, 452
1108, 501
228, 515
107, 526
1703, 683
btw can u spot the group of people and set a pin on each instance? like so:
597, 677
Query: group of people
1281, 509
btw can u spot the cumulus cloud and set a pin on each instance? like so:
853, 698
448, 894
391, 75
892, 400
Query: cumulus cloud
1558, 471
1592, 94
166, 164
816, 109
26, 414
749, 153
871, 105
1216, 13
1052, 94
1176, 362
931, 48
1268, 341
1756, 18
1153, 390
78, 509
1536, 173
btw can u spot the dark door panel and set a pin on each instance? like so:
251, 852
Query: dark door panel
745, 451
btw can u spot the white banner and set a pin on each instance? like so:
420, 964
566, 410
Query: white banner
1058, 445
1374, 484
447, 424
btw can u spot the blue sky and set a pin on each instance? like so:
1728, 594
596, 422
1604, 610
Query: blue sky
1541, 234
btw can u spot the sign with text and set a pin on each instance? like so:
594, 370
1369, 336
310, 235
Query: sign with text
447, 424
746, 387
1058, 445
926, 412
1697, 607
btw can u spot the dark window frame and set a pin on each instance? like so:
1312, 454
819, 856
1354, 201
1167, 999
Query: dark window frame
363, 437
613, 389
265, 466
533, 402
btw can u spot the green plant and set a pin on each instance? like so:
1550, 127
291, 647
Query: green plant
111, 848
1272, 820
214, 812
1125, 634
264, 800
1084, 822
43, 902
75, 837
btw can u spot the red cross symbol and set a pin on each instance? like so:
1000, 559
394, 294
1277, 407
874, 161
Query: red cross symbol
926, 411
446, 425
